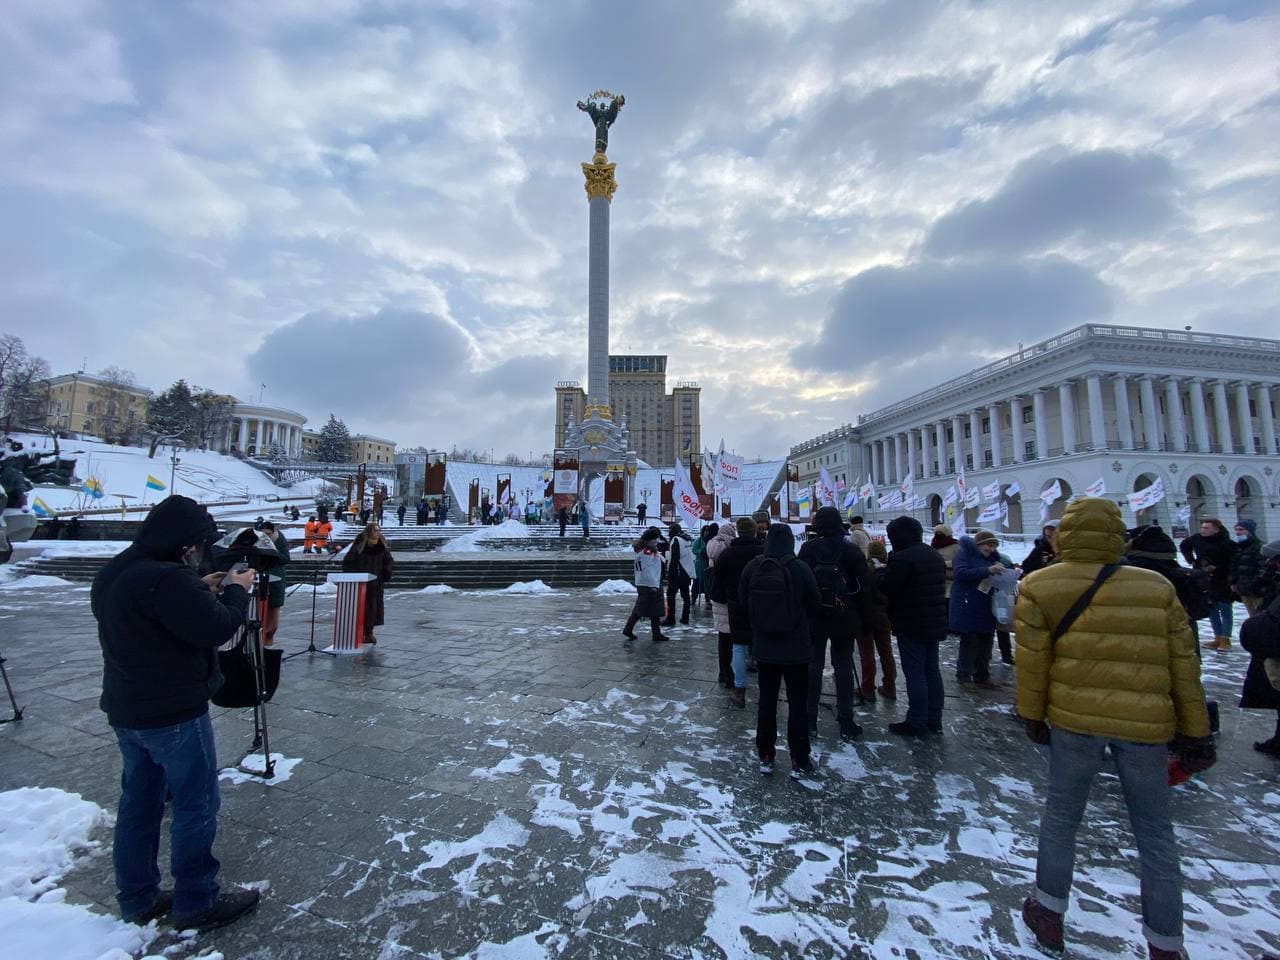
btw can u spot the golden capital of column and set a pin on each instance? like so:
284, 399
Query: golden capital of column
600, 180
594, 409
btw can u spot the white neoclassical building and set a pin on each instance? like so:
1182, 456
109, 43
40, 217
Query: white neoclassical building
1124, 405
254, 428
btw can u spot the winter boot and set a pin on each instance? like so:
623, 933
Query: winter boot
904, 729
739, 697
766, 766
1044, 923
1222, 643
1270, 747
228, 908
802, 768
1155, 953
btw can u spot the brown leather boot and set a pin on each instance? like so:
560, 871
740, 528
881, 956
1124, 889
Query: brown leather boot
1044, 923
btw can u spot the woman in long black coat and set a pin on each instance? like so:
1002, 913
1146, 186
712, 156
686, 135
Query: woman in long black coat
370, 554
1260, 635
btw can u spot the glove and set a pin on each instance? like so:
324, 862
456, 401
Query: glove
1037, 731
1196, 754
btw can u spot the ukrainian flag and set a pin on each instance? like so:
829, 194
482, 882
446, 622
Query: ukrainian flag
40, 508
93, 487
153, 483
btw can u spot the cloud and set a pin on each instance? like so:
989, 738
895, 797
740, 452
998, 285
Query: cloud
1093, 197
887, 316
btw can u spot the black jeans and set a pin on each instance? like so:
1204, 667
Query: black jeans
1006, 645
632, 620
681, 588
724, 651
974, 659
923, 679
841, 665
772, 676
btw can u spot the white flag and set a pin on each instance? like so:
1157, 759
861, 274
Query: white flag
1044, 513
868, 490
950, 497
971, 498
688, 507
826, 490
960, 485
1051, 493
1184, 514
991, 491
1147, 497
851, 497
908, 485
957, 525
1096, 489
918, 502
1013, 489
1004, 514
990, 512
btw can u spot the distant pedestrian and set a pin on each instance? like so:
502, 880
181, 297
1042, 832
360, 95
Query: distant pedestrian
1260, 636
1211, 550
309, 535
1045, 550
971, 614
584, 518
915, 582
680, 563
648, 580
716, 547
642, 510
699, 550
1246, 564
401, 511
562, 517
744, 548
947, 546
781, 596
858, 536
874, 638
1106, 664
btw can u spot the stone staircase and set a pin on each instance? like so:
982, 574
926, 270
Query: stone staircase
417, 570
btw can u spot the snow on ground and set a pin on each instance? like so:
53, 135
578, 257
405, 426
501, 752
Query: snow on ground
35, 582
41, 833
200, 474
252, 766
471, 542
615, 586
531, 586
438, 588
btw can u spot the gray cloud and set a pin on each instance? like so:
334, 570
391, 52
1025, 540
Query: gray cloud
889, 314
1097, 196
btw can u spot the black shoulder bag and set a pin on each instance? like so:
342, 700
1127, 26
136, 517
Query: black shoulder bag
1082, 601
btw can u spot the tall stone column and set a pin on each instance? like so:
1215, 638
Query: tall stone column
1150, 422
898, 471
1173, 407
1097, 425
600, 187
1222, 416
243, 439
1015, 426
1243, 418
957, 445
1262, 395
1041, 425
940, 444
1067, 406
1199, 415
925, 457
975, 439
910, 437
1124, 418
993, 414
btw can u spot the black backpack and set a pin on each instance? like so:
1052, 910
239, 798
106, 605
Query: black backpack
773, 607
1192, 585
833, 584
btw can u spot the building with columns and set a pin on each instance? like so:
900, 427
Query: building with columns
254, 428
1124, 405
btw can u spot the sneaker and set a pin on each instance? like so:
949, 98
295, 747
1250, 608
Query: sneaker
660, 638
935, 728
802, 768
1270, 747
1044, 923
889, 693
162, 905
738, 697
228, 908
904, 729
766, 766
849, 730
628, 634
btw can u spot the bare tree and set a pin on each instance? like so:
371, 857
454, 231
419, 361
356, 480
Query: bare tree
24, 387
120, 422
210, 416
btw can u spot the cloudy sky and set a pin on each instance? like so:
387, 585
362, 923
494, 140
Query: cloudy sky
376, 209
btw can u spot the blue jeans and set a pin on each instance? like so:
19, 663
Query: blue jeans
923, 678
740, 665
180, 760
1074, 760
1220, 618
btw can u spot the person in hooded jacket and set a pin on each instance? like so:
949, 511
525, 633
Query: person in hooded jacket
915, 583
1246, 564
1122, 677
970, 612
875, 638
783, 655
160, 625
1260, 636
744, 548
1211, 550
719, 606
946, 545
841, 617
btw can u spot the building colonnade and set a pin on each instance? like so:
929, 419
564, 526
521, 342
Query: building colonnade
258, 433
1177, 414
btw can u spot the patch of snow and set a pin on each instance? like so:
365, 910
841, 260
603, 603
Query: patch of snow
36, 581
615, 586
283, 769
532, 586
81, 548
438, 588
471, 542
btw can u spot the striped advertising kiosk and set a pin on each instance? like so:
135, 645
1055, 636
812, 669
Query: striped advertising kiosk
348, 621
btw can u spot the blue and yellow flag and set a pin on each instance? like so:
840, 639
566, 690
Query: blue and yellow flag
93, 487
40, 508
153, 483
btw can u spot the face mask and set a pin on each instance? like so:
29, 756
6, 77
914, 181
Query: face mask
193, 558
1242, 538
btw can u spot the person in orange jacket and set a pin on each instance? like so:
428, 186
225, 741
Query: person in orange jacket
309, 534
322, 537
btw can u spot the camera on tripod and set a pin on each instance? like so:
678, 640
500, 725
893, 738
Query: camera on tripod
246, 549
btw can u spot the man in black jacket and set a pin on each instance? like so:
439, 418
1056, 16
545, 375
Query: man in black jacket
740, 552
915, 581
781, 596
159, 625
845, 584
1211, 550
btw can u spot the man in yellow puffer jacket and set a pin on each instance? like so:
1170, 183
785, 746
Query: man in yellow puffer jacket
1123, 675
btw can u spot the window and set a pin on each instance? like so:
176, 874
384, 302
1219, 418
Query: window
88, 407
1253, 408
986, 425
968, 461
87, 427
986, 458
951, 465
1029, 450
1028, 414
950, 438
967, 430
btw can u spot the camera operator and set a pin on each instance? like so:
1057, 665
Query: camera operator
275, 596
159, 625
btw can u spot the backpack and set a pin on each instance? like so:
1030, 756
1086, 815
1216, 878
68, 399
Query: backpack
772, 604
1192, 585
833, 586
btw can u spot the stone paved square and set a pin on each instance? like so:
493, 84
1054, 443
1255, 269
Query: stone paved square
502, 776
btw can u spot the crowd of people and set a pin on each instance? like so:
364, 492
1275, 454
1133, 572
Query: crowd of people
1099, 622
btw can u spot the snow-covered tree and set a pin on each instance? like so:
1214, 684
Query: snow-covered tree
335, 442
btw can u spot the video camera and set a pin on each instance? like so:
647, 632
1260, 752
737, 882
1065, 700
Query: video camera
252, 548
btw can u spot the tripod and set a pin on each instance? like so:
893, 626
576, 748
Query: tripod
253, 644
17, 710
311, 644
